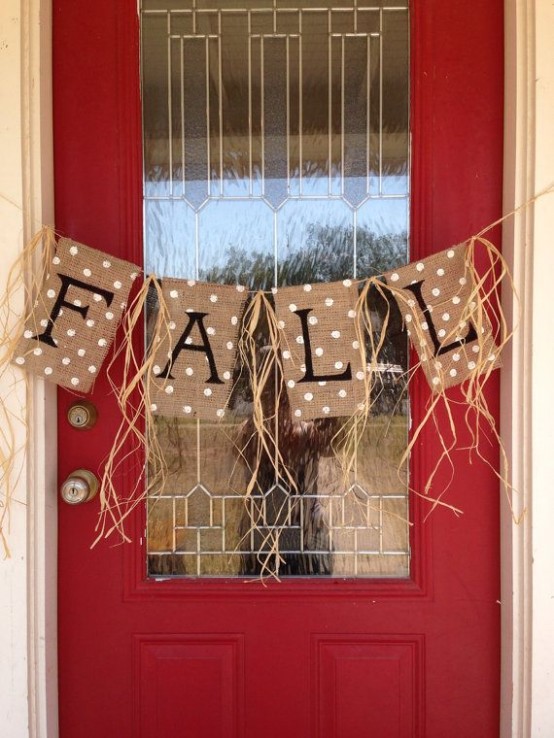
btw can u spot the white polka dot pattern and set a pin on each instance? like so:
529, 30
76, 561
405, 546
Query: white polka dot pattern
322, 347
322, 362
441, 317
75, 342
195, 390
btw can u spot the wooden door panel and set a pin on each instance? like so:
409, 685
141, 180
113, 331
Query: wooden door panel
190, 683
343, 668
417, 657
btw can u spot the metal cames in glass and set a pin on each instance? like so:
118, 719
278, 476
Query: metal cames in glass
276, 152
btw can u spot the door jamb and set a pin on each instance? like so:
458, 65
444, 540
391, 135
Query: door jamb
526, 397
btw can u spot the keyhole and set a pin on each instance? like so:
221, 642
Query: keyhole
79, 487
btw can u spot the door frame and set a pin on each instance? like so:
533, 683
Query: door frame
28, 579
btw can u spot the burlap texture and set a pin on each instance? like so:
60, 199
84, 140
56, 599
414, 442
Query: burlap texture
183, 380
69, 348
445, 318
333, 346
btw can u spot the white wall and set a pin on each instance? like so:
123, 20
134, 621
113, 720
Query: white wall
27, 579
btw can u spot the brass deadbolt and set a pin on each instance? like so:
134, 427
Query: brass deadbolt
82, 415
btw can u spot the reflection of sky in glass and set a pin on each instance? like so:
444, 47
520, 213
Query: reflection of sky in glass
275, 144
187, 244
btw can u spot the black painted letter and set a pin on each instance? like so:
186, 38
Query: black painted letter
182, 345
61, 302
468, 338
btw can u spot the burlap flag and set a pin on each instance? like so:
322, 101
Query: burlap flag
195, 353
76, 315
322, 358
446, 320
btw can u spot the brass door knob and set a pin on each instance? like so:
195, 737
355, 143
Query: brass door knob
80, 486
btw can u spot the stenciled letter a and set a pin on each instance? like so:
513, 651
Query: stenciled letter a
182, 345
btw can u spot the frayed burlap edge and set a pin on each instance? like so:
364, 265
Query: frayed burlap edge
136, 430
482, 304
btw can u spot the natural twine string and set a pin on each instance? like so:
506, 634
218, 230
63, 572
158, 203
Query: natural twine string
137, 430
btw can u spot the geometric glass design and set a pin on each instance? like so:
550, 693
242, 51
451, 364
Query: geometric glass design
276, 152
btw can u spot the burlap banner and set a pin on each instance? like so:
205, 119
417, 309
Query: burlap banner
321, 349
195, 355
321, 332
321, 344
445, 319
75, 316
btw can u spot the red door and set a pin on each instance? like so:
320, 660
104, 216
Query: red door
161, 656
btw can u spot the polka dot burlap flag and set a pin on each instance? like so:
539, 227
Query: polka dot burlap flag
76, 315
192, 375
445, 318
322, 359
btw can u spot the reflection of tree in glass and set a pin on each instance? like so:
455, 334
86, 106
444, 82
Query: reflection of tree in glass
327, 255
289, 518
285, 528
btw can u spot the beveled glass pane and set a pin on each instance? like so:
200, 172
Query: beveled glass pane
274, 83
276, 153
235, 146
315, 95
155, 89
355, 53
236, 243
169, 228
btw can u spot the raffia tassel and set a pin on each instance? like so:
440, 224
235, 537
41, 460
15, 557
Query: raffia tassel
482, 303
24, 282
371, 339
27, 274
269, 408
136, 435
485, 296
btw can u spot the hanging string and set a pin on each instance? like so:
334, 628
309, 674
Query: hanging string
137, 429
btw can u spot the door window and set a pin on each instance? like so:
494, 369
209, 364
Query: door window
276, 152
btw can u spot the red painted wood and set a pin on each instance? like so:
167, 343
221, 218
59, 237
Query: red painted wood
359, 679
122, 638
191, 686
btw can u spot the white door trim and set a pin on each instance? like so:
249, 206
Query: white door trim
28, 627
38, 193
527, 399
515, 395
